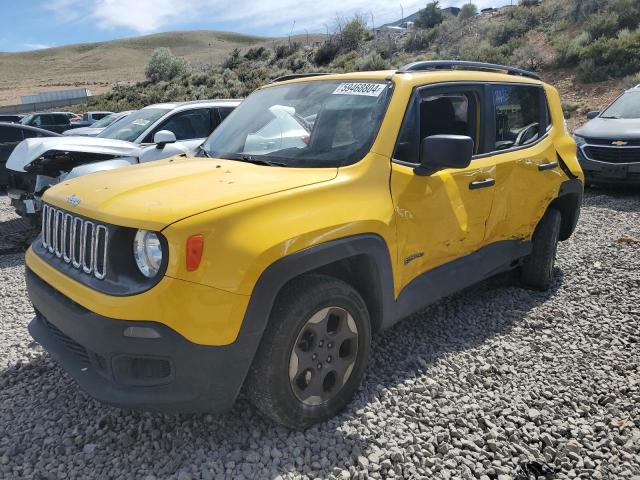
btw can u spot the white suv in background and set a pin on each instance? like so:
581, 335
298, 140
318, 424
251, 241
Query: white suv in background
151, 133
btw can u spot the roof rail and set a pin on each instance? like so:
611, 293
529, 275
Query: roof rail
462, 65
294, 76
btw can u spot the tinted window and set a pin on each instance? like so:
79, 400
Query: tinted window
440, 114
98, 116
134, 125
10, 135
188, 125
33, 134
224, 112
517, 115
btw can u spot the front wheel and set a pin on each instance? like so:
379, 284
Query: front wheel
313, 354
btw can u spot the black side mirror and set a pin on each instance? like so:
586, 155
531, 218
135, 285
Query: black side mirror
592, 115
444, 151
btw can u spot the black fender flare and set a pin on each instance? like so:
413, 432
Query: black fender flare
569, 203
278, 274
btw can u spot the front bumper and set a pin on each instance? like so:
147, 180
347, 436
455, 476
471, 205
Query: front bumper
609, 173
167, 373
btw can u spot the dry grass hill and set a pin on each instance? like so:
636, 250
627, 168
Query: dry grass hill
98, 66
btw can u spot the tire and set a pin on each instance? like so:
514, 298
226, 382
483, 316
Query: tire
537, 270
313, 315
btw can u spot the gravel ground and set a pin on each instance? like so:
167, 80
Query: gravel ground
493, 383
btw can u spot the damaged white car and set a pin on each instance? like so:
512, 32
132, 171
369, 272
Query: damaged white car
152, 133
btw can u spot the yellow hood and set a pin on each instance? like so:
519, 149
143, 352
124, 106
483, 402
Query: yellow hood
156, 194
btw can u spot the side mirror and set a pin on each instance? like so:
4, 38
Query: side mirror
444, 151
592, 115
163, 137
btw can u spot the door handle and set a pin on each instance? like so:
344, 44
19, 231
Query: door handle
489, 182
543, 167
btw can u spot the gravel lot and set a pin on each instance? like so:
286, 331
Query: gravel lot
494, 383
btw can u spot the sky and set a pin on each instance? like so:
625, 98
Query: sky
36, 24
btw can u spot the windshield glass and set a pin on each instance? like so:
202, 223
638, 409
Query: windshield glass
106, 121
310, 124
131, 127
627, 106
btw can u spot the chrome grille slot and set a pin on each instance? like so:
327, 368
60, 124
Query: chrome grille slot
76, 241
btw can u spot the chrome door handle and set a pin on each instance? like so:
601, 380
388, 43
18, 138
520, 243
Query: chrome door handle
543, 167
489, 182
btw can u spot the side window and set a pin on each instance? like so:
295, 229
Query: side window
224, 112
517, 116
10, 135
36, 121
187, 125
453, 113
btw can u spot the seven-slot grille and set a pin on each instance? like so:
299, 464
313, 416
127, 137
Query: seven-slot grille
77, 241
613, 154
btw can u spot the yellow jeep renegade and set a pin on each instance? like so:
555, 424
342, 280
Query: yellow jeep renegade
325, 208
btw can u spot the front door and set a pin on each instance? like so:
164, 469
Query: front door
440, 217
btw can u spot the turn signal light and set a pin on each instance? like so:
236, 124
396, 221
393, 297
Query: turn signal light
195, 245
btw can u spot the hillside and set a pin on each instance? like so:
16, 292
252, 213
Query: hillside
98, 66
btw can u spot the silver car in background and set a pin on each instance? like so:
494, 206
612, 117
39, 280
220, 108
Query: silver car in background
151, 133
98, 127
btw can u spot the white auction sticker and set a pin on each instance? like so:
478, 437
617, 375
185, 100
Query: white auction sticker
141, 121
367, 89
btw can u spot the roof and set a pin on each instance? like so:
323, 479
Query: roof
29, 127
200, 103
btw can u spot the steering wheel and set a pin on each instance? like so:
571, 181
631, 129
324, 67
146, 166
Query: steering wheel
522, 134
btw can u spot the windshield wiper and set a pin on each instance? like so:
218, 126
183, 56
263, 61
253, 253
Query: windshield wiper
612, 117
243, 157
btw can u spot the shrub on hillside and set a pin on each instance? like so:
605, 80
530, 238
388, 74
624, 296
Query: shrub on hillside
326, 52
165, 66
286, 49
257, 53
420, 40
371, 62
468, 10
610, 57
431, 16
354, 33
602, 25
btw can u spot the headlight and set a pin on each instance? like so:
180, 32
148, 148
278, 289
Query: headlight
147, 250
579, 140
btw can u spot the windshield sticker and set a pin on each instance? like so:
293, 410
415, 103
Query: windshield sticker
141, 121
366, 89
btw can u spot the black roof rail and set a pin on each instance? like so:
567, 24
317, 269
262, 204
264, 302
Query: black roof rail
294, 76
463, 65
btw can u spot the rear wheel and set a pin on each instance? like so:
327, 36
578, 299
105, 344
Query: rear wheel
537, 270
313, 354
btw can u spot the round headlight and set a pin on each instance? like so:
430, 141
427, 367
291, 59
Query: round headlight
147, 251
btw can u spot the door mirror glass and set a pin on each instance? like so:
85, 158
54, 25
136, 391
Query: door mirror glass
592, 115
438, 152
163, 137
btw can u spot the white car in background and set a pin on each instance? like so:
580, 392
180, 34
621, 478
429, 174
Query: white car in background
151, 133
98, 127
287, 129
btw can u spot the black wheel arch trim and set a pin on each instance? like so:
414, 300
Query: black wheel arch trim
569, 203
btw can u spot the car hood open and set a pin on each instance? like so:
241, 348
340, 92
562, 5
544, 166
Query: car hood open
156, 194
611, 129
29, 150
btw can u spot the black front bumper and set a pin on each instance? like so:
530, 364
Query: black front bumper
166, 374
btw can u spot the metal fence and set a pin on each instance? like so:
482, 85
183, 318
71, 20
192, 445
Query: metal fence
40, 106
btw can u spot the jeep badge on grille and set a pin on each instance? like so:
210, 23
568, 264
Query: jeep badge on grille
74, 200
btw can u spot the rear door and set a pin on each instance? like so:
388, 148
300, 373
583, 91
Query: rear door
440, 217
528, 175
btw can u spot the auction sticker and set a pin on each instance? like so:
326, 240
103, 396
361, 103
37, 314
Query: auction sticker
141, 121
360, 88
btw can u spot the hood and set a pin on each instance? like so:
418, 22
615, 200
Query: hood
157, 194
83, 131
611, 129
29, 150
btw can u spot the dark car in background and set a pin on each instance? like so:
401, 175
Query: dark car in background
56, 122
11, 118
609, 144
11, 134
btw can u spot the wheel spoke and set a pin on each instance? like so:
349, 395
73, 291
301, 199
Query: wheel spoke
323, 356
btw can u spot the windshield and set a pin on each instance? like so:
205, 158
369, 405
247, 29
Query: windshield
627, 106
131, 127
310, 124
106, 121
